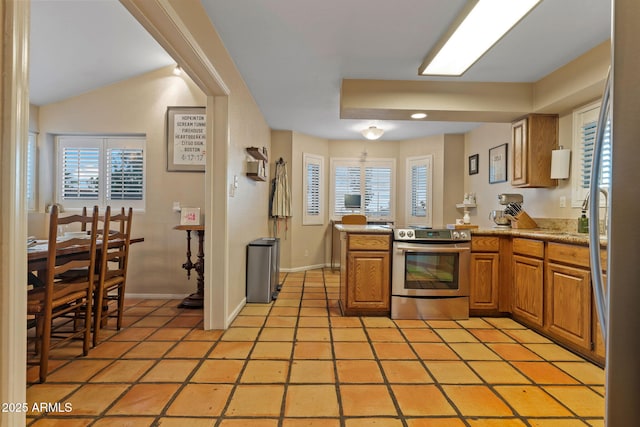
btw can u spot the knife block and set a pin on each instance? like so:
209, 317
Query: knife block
523, 220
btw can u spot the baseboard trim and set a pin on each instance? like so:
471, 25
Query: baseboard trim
235, 312
155, 296
303, 268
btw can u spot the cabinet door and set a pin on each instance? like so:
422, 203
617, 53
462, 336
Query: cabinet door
368, 284
528, 289
485, 270
519, 152
568, 304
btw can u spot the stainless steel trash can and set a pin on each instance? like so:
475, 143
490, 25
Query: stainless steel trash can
263, 269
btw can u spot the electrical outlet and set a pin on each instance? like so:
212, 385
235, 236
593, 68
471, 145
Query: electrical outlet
563, 202
176, 206
306, 252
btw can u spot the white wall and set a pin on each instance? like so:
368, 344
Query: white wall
538, 202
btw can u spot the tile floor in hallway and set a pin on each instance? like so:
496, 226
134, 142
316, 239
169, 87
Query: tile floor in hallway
297, 362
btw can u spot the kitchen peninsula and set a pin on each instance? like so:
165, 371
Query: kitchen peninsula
365, 269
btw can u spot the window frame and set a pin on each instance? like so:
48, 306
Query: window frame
104, 143
586, 114
411, 162
363, 165
311, 218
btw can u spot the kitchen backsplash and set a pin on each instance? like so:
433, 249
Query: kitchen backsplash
568, 225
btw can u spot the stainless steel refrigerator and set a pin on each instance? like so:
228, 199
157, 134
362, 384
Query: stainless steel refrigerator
621, 300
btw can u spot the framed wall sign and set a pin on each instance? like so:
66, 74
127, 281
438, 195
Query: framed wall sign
186, 139
473, 164
190, 216
498, 164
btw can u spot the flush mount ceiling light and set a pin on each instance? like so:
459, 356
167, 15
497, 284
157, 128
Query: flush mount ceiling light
372, 132
480, 25
418, 116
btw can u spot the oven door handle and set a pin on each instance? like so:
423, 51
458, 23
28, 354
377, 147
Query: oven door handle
403, 247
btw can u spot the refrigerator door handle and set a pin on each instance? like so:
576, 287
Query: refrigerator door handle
594, 211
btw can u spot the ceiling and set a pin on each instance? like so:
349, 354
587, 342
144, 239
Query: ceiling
294, 54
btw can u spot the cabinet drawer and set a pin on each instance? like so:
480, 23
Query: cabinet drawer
573, 255
485, 244
369, 242
534, 248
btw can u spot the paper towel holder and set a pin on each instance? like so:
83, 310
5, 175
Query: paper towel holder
560, 160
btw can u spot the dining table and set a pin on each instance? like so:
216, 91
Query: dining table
38, 253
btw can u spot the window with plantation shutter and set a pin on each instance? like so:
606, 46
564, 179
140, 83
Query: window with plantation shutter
31, 172
101, 171
419, 191
377, 192
373, 180
313, 213
585, 121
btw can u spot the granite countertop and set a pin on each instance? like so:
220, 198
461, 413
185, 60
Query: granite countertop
541, 234
373, 229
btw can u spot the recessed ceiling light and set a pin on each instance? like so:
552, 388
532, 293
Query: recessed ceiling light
418, 115
482, 24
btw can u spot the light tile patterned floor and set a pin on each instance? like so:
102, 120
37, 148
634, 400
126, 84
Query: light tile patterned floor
297, 363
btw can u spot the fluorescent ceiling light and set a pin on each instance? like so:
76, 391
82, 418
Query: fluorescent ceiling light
482, 24
418, 115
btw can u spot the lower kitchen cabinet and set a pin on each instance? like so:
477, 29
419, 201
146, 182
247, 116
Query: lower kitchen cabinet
528, 281
365, 284
485, 270
368, 281
528, 289
568, 304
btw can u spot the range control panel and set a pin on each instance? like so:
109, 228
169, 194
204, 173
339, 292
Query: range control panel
431, 235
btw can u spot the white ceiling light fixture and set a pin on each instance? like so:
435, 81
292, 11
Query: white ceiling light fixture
480, 25
177, 71
372, 132
418, 116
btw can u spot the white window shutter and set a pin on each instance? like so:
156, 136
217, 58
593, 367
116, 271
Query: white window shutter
313, 211
347, 181
80, 173
585, 121
31, 172
377, 192
373, 180
99, 170
419, 191
125, 174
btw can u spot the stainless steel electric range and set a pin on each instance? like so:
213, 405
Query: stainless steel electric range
430, 273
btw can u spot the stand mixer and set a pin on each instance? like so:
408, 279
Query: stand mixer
500, 217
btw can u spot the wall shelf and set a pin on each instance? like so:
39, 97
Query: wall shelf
257, 154
256, 177
257, 169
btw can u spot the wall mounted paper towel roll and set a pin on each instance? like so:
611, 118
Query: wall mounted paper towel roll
560, 163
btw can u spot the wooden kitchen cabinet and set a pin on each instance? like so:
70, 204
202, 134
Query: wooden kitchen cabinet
568, 304
532, 140
484, 275
365, 284
571, 315
528, 281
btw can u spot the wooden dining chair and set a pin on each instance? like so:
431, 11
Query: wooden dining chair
112, 278
58, 298
354, 219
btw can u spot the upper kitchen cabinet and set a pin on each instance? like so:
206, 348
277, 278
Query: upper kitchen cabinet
532, 140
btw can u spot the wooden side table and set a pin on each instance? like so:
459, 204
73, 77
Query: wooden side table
196, 299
